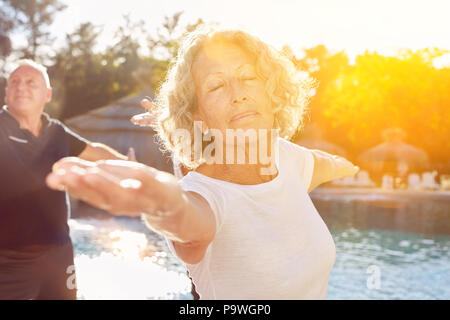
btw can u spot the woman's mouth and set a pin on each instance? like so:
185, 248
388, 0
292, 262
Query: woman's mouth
244, 115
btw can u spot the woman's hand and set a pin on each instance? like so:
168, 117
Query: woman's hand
343, 168
118, 186
146, 119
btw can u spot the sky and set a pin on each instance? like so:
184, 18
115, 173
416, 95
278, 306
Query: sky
350, 25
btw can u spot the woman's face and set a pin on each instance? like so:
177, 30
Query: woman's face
229, 93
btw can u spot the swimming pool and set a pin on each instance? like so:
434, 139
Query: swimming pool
409, 265
119, 258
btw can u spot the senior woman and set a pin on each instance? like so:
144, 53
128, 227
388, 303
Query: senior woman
244, 229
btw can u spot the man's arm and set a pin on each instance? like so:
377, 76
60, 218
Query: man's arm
328, 167
92, 151
98, 151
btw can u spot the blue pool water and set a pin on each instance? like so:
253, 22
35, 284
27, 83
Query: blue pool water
409, 265
119, 258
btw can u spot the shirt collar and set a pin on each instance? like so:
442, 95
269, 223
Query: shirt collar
11, 121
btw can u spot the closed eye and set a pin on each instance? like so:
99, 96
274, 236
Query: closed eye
216, 87
248, 76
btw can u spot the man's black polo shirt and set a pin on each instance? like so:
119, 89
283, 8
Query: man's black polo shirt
30, 212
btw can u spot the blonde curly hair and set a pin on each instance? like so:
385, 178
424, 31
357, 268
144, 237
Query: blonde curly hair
288, 89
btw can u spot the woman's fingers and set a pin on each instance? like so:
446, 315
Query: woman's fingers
98, 188
118, 186
135, 174
144, 119
115, 195
147, 105
67, 162
122, 169
84, 189
148, 118
113, 170
68, 165
72, 180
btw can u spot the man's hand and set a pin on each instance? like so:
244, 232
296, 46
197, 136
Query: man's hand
131, 155
147, 119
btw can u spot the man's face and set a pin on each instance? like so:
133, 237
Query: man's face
26, 91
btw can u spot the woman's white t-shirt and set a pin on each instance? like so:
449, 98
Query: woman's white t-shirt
270, 242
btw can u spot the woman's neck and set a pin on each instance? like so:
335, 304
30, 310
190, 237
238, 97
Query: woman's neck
245, 174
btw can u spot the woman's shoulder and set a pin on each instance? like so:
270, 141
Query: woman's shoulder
194, 178
197, 182
297, 159
293, 149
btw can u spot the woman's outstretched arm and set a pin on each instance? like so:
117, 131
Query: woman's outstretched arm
328, 167
134, 189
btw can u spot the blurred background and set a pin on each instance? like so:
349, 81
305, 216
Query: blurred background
382, 101
380, 65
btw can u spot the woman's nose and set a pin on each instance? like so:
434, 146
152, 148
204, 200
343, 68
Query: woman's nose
241, 98
238, 92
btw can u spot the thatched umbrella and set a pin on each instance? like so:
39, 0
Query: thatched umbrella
111, 125
394, 156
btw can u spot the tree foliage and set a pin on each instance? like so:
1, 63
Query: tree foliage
164, 46
323, 66
6, 25
85, 79
358, 102
32, 18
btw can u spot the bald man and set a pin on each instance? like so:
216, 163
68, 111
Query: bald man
36, 252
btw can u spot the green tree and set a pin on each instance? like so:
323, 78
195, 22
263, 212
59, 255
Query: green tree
86, 79
379, 92
6, 25
32, 18
164, 46
323, 66
79, 76
123, 57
